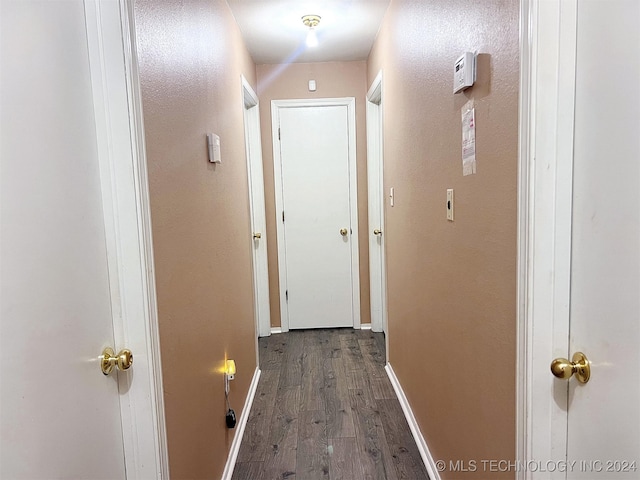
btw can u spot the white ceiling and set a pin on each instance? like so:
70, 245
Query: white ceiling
274, 33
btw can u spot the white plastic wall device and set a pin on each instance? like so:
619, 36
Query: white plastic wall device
213, 144
464, 72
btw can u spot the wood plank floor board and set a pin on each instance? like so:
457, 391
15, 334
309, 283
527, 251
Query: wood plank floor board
344, 462
312, 460
291, 368
321, 412
382, 345
283, 435
351, 352
375, 454
373, 359
382, 389
403, 450
332, 348
272, 351
313, 397
357, 379
246, 470
338, 407
259, 420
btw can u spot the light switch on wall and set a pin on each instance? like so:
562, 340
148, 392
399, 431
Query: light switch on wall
391, 196
450, 204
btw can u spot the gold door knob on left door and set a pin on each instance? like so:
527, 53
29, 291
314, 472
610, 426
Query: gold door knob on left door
257, 235
343, 232
109, 360
377, 231
579, 365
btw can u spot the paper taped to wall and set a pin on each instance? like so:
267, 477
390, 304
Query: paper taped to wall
468, 139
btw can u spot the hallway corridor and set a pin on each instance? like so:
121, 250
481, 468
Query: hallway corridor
325, 409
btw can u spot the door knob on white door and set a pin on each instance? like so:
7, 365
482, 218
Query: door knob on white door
109, 360
377, 231
343, 232
579, 364
257, 235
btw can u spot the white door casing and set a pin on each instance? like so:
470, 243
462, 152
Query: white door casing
127, 213
253, 145
579, 268
315, 184
74, 203
375, 176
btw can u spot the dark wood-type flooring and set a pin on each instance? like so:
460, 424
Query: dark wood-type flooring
325, 409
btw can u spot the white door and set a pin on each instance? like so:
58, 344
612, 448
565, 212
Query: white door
60, 416
585, 275
604, 414
318, 230
375, 170
253, 145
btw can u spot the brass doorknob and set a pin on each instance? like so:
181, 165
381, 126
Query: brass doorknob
377, 231
109, 360
579, 364
257, 235
343, 232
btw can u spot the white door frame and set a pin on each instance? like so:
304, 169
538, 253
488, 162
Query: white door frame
350, 103
546, 124
375, 176
123, 177
253, 147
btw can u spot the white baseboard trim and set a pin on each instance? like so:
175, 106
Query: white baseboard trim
237, 439
365, 326
427, 458
276, 330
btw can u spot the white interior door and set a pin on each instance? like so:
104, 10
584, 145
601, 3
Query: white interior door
604, 414
60, 416
316, 152
375, 170
253, 145
583, 279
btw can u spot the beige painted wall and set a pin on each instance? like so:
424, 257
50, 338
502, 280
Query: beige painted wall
191, 58
452, 286
334, 79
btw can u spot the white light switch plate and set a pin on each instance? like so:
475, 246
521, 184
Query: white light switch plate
391, 196
450, 204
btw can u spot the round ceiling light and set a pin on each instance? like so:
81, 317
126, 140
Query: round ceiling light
312, 22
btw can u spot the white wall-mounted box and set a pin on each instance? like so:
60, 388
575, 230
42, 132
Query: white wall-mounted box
213, 144
464, 72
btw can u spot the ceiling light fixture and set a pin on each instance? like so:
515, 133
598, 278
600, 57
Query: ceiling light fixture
312, 22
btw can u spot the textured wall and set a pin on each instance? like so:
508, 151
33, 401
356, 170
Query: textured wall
452, 286
334, 79
191, 58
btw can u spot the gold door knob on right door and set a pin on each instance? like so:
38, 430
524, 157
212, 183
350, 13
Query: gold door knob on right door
377, 231
343, 232
257, 235
579, 365
109, 360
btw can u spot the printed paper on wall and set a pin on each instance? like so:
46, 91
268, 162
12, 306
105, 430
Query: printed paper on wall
468, 139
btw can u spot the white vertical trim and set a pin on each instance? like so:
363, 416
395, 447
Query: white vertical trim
350, 103
121, 155
545, 199
523, 383
423, 448
375, 176
255, 178
242, 423
152, 331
